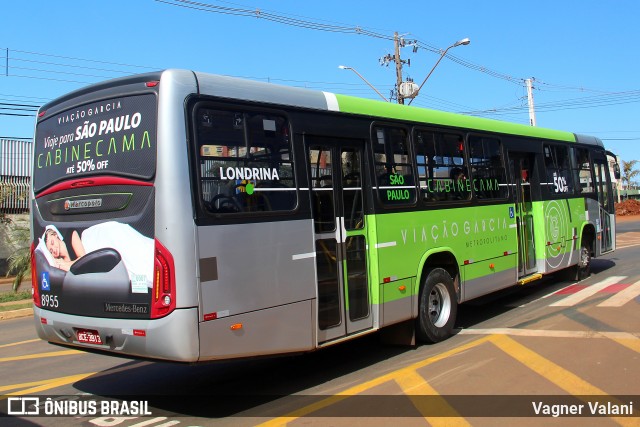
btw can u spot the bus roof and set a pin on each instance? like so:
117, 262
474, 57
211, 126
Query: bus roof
236, 88
255, 91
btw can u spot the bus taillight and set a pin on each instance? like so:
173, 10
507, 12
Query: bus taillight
35, 292
164, 278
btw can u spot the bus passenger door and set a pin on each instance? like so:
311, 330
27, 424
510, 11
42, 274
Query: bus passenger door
521, 167
344, 298
605, 201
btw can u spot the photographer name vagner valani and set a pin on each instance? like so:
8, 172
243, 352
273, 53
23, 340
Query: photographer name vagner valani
591, 408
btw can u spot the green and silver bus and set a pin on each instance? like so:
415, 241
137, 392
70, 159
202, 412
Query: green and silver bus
191, 217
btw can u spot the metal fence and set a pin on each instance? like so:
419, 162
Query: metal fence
15, 175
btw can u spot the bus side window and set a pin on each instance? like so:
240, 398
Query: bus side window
442, 169
487, 168
558, 168
322, 201
393, 166
245, 162
582, 170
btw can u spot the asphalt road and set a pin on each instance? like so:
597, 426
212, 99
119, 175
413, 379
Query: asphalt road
518, 356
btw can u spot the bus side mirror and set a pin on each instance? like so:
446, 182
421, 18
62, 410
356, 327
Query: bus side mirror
616, 171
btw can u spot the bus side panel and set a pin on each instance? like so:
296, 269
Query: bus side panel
483, 239
561, 223
283, 329
251, 267
555, 226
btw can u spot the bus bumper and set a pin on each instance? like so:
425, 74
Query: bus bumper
173, 337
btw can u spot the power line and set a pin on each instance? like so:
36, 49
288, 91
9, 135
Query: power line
20, 105
571, 104
13, 51
319, 26
16, 114
80, 65
348, 29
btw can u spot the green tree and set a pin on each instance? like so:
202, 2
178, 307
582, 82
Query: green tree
18, 236
628, 172
4, 194
19, 263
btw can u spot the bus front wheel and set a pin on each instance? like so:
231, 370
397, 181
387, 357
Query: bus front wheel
437, 307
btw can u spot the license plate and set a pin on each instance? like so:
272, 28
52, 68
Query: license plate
88, 336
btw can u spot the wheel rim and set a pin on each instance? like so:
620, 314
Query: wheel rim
584, 257
439, 305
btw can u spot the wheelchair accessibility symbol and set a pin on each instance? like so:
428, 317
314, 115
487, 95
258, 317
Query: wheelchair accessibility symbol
511, 213
44, 281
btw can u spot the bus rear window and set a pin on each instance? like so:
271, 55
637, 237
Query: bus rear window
245, 162
115, 137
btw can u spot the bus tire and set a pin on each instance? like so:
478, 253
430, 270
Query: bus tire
582, 270
437, 307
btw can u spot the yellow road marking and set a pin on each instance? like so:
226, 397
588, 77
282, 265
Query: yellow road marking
544, 367
40, 355
38, 386
22, 385
280, 421
19, 343
548, 333
414, 385
552, 372
630, 342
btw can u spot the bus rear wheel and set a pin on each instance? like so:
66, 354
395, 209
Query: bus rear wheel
583, 268
437, 307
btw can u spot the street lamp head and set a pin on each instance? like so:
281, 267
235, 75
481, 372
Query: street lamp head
464, 41
344, 67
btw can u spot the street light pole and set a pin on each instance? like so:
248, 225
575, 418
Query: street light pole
398, 61
464, 41
344, 67
532, 112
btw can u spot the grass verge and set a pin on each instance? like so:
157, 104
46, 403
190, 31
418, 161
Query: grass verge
16, 306
14, 296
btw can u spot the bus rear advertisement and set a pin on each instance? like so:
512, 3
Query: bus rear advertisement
94, 250
189, 217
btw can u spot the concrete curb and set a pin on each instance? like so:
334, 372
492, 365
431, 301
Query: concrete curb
15, 314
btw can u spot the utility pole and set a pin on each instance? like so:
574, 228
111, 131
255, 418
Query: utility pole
396, 43
403, 89
532, 113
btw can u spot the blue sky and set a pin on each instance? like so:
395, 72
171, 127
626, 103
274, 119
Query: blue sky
582, 54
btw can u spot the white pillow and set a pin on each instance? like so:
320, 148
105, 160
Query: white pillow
42, 247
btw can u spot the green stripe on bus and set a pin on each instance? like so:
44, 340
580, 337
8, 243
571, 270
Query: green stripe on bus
350, 104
